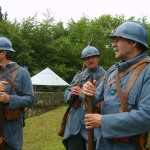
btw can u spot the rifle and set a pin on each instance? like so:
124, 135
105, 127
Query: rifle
83, 67
1, 127
90, 40
74, 103
2, 145
90, 110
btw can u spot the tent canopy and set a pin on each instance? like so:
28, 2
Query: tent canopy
48, 77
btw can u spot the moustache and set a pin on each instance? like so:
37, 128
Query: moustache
115, 49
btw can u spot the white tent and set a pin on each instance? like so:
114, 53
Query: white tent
48, 77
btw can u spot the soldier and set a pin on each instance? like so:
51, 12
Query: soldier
118, 131
75, 136
14, 97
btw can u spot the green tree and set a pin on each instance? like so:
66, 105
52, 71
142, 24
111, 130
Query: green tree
46, 43
3, 16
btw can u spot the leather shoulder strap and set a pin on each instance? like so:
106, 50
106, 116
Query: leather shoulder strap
133, 78
10, 70
14, 74
130, 83
128, 70
101, 77
9, 80
124, 106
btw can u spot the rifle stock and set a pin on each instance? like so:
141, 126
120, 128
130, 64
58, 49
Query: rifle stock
90, 111
83, 67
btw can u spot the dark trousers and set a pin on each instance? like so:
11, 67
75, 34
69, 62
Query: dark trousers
75, 142
7, 147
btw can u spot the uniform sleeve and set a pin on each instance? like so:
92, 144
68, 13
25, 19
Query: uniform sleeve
67, 92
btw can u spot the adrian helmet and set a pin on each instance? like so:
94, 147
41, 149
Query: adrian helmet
5, 44
132, 30
89, 51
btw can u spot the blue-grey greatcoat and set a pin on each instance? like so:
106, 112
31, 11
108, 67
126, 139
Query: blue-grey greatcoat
75, 123
126, 124
13, 129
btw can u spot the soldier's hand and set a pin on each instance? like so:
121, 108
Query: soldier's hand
4, 97
92, 121
3, 85
89, 89
76, 90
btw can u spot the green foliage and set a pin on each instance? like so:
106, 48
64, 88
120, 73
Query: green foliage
3, 16
46, 43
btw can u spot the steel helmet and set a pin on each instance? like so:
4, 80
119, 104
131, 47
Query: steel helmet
5, 44
132, 30
89, 51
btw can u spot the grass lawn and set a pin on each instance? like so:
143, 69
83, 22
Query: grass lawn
40, 132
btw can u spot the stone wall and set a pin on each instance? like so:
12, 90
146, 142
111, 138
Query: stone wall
45, 101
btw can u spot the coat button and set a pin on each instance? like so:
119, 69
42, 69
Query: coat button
105, 103
112, 92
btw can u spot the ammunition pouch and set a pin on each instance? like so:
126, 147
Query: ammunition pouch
97, 107
12, 114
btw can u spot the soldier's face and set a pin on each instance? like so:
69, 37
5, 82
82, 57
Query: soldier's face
2, 56
91, 62
123, 49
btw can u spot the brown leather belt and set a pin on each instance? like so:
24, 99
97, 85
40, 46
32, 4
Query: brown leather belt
125, 140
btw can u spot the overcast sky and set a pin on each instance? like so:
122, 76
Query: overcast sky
64, 10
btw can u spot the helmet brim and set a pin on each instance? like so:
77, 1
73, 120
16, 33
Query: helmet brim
7, 49
112, 36
86, 56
